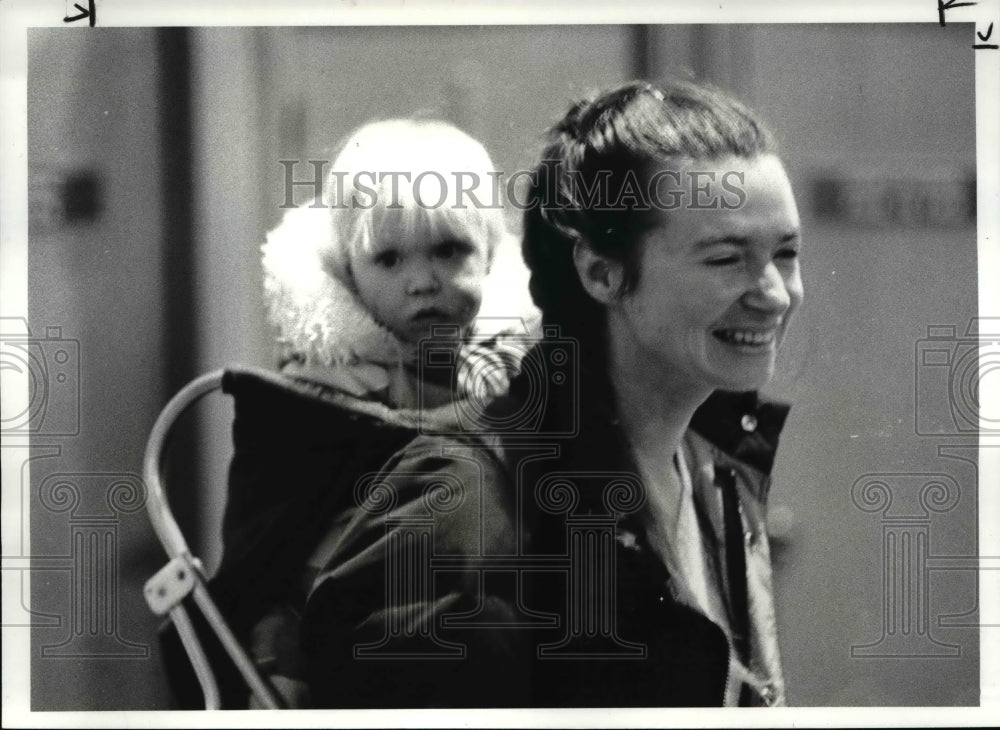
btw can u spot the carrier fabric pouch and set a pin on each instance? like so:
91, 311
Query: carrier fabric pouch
298, 452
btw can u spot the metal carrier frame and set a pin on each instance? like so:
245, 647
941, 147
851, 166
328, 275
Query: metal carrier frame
184, 575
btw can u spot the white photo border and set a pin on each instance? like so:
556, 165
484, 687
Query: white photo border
17, 17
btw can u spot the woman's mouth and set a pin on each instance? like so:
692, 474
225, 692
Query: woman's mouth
747, 338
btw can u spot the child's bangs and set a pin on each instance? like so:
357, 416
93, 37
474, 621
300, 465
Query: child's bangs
409, 225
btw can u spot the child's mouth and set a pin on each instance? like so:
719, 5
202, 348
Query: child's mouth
430, 314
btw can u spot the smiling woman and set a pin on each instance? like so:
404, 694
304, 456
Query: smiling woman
679, 314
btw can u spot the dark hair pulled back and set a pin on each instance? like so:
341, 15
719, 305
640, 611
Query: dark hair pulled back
608, 142
621, 137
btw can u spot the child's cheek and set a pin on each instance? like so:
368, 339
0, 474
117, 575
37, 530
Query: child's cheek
470, 297
474, 299
469, 279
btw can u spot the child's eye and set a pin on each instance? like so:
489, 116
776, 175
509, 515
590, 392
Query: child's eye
387, 259
451, 249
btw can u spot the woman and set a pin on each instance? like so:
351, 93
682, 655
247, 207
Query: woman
601, 540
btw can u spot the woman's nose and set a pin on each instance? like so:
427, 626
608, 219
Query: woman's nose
422, 279
769, 292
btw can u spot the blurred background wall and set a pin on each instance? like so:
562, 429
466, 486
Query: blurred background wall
154, 175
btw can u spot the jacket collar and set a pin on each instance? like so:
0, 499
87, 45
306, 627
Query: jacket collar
318, 387
743, 425
740, 424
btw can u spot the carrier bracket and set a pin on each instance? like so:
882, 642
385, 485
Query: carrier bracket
170, 585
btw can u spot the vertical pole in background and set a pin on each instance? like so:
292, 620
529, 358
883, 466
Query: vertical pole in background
180, 328
641, 52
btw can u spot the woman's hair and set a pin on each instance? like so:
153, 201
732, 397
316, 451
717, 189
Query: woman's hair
402, 181
600, 151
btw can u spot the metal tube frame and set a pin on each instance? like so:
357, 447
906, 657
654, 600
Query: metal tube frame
170, 536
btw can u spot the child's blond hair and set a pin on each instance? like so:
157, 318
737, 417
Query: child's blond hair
394, 182
406, 180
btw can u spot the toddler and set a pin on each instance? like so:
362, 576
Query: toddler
412, 242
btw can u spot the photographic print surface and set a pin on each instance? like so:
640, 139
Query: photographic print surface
146, 161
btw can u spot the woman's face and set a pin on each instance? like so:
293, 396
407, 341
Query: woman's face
716, 286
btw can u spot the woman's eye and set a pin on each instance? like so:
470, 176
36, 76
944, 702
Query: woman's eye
787, 254
723, 261
387, 259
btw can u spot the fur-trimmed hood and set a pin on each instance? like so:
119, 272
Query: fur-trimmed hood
317, 317
320, 322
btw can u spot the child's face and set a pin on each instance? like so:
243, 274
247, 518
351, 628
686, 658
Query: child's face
410, 288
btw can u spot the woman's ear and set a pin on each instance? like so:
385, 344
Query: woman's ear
601, 277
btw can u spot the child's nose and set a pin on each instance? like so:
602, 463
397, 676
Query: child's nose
422, 279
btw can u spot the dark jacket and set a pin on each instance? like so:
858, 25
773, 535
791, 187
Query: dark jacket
435, 572
503, 567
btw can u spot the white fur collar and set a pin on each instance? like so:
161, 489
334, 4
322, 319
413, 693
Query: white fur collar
317, 316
